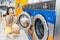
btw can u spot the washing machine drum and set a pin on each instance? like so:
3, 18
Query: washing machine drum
40, 26
24, 20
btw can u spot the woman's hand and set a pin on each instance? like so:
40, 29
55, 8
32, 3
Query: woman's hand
16, 31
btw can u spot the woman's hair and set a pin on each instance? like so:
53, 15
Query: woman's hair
8, 10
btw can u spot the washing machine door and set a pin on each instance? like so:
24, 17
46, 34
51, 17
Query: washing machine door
24, 20
40, 28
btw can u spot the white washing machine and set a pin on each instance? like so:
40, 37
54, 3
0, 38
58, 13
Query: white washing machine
24, 21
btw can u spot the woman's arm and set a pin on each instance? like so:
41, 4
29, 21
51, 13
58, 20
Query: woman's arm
15, 31
15, 19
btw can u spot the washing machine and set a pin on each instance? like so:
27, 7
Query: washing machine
43, 15
24, 21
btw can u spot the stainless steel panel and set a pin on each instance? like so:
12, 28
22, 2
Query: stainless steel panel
51, 29
57, 26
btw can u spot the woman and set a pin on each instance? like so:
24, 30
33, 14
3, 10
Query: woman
9, 22
12, 28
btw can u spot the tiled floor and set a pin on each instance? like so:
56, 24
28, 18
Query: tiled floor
3, 35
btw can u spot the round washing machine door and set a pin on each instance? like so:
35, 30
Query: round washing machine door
40, 28
24, 20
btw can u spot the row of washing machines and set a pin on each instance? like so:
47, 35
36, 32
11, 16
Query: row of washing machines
42, 16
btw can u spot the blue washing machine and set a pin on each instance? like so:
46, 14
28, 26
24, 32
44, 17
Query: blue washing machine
44, 16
